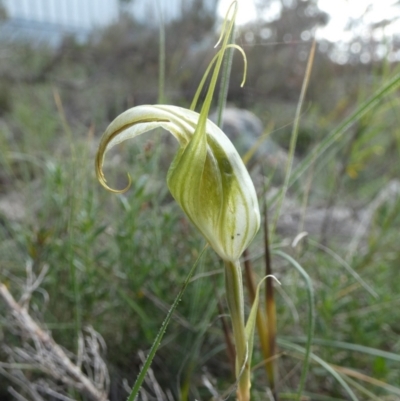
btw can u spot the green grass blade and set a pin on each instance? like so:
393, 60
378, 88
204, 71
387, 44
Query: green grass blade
325, 365
350, 347
369, 105
311, 318
157, 341
293, 138
161, 58
338, 132
346, 372
225, 75
362, 389
343, 263
251, 321
71, 214
309, 396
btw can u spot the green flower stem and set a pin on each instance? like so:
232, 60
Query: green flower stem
234, 295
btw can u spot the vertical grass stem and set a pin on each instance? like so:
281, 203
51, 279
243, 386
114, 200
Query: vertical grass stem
311, 319
161, 57
293, 139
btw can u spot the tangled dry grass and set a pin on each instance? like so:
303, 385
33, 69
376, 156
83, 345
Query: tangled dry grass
38, 351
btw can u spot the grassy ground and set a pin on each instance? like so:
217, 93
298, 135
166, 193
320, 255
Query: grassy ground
116, 263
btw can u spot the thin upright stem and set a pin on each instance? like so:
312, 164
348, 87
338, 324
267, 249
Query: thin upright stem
161, 58
234, 295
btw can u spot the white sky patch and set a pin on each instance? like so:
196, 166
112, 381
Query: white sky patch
362, 12
246, 10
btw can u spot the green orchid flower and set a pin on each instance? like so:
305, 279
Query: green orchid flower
211, 184
207, 176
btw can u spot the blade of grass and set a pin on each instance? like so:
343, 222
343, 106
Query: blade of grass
306, 195
362, 389
311, 318
368, 379
163, 328
341, 261
336, 134
310, 397
293, 139
193, 345
325, 365
348, 346
265, 135
161, 57
71, 212
260, 321
252, 318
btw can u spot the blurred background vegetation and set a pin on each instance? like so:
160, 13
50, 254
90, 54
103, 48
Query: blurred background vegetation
116, 262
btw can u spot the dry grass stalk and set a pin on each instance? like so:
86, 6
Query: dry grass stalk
47, 356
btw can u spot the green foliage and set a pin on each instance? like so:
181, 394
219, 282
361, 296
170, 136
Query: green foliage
117, 263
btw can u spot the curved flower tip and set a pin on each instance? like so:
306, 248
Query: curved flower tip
207, 176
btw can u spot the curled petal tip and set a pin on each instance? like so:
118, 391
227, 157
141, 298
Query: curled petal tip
102, 179
103, 182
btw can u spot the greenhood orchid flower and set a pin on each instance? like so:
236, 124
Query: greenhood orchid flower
207, 176
212, 186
